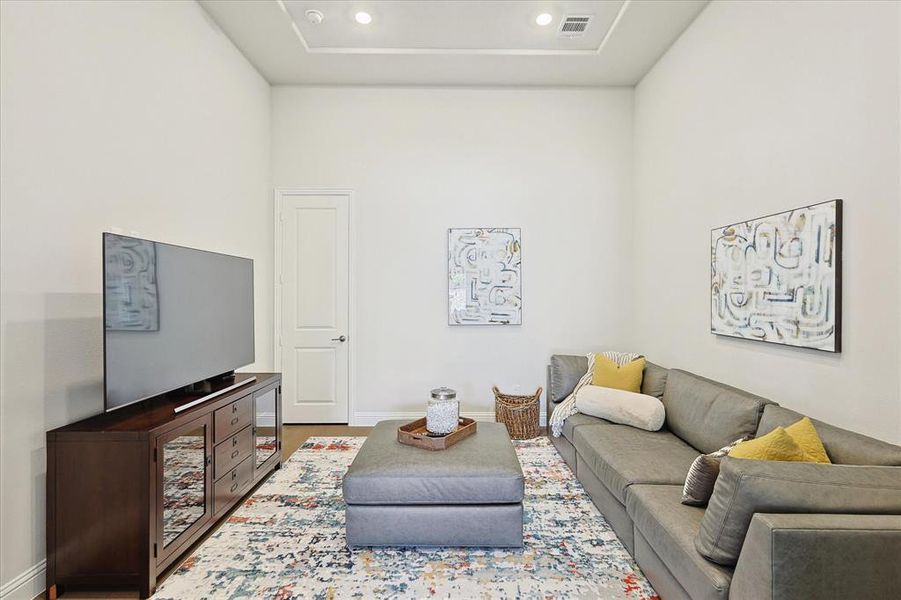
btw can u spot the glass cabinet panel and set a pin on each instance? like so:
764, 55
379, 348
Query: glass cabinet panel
265, 425
184, 481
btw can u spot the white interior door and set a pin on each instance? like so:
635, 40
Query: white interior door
313, 316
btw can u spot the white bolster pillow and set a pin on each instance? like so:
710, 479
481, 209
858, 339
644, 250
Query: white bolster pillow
620, 406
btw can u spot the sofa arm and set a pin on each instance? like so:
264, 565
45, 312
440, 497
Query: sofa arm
800, 556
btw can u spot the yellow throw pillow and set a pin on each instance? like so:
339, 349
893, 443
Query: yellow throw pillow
806, 436
776, 445
610, 375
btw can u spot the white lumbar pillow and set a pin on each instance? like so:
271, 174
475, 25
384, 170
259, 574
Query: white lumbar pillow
620, 406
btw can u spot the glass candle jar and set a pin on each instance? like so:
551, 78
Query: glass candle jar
443, 411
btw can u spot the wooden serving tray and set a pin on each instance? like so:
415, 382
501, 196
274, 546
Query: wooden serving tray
416, 434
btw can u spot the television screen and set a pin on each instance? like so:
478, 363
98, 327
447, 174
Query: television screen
173, 316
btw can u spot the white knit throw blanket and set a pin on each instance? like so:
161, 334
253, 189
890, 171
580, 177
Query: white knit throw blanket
567, 408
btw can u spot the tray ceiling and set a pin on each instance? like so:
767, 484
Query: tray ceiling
452, 42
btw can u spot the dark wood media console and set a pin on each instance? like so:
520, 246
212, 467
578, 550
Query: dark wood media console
129, 492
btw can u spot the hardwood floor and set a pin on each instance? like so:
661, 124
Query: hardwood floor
293, 437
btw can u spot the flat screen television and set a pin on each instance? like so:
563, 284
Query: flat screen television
173, 317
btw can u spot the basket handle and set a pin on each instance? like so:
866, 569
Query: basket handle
537, 393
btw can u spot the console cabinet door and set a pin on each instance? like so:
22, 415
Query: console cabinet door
184, 483
266, 420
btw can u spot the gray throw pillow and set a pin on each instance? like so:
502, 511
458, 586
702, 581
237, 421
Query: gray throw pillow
653, 380
746, 487
702, 476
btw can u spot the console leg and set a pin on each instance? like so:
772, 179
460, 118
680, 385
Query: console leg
51, 593
146, 591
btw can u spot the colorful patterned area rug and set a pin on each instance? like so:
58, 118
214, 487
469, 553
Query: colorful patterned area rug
287, 542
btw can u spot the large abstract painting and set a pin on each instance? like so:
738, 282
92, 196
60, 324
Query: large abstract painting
484, 269
778, 278
132, 302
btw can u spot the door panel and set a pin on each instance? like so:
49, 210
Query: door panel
316, 375
184, 480
314, 291
316, 231
265, 430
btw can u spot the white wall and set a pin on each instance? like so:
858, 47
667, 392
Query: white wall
142, 117
758, 108
137, 116
556, 163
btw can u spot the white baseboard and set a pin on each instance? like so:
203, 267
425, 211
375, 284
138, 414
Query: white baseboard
27, 585
368, 419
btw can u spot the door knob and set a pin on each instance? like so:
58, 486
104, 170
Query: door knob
340, 338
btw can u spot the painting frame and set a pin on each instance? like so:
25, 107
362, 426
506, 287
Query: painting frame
516, 232
837, 243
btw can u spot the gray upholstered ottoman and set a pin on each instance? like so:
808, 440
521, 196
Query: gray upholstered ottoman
468, 495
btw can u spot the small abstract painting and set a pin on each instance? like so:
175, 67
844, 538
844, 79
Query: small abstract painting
778, 278
484, 276
132, 302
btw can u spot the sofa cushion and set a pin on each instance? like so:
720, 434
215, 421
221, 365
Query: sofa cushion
610, 374
565, 372
653, 380
842, 446
619, 406
806, 436
776, 445
620, 456
578, 420
745, 487
702, 476
707, 414
670, 529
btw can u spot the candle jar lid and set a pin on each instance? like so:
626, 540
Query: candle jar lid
444, 393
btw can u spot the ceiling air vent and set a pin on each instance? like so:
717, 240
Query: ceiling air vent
574, 26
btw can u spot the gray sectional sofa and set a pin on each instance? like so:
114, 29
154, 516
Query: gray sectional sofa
773, 530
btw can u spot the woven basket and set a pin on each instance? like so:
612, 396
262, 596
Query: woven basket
518, 413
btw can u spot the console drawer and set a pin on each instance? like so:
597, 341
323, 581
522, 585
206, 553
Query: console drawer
234, 417
232, 451
232, 486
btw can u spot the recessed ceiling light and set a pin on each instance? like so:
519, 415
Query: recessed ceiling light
314, 16
544, 19
363, 18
